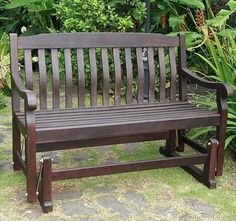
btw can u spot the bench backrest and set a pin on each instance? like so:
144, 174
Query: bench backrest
101, 54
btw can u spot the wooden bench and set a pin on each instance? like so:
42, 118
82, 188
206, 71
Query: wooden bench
108, 119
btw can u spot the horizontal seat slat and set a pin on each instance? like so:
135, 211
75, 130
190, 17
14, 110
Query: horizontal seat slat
113, 112
112, 117
87, 120
108, 121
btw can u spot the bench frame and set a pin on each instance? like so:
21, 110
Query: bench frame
212, 157
207, 176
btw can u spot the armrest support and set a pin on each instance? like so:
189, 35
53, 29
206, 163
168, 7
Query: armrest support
28, 95
224, 89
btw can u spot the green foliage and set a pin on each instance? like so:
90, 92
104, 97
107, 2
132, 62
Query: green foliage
223, 15
222, 63
174, 16
92, 15
35, 15
219, 56
135, 9
167, 16
187, 3
4, 59
123, 15
2, 100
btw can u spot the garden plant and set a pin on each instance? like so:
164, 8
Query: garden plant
211, 46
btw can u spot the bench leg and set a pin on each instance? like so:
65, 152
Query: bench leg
31, 171
220, 136
210, 165
171, 142
16, 144
180, 147
45, 185
207, 176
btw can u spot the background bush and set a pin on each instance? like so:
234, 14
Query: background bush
98, 15
209, 38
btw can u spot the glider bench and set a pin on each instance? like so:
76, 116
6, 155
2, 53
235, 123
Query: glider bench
140, 99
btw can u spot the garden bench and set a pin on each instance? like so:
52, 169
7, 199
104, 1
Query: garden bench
108, 119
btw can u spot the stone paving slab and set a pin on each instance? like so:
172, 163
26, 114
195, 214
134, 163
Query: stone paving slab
115, 206
131, 148
77, 209
67, 195
202, 208
6, 166
135, 198
105, 189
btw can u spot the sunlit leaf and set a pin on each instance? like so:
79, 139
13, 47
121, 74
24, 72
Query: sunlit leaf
232, 5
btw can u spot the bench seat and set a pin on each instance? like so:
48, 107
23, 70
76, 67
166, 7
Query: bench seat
82, 124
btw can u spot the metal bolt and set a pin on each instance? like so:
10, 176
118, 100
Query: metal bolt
41, 160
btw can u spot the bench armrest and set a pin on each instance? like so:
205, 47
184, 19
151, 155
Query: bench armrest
28, 95
224, 89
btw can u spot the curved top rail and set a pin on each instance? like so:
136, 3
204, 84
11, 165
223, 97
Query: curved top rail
96, 40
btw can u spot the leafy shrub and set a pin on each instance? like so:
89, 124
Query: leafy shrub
2, 100
222, 64
91, 15
219, 55
36, 16
4, 61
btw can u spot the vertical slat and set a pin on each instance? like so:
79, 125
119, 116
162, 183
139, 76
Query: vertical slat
116, 53
173, 74
93, 66
55, 80
129, 77
105, 66
28, 69
42, 79
161, 56
81, 77
68, 68
151, 75
182, 64
139, 53
182, 80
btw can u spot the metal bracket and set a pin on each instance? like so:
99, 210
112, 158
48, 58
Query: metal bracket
40, 176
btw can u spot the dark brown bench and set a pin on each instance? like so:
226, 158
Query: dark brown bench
165, 115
